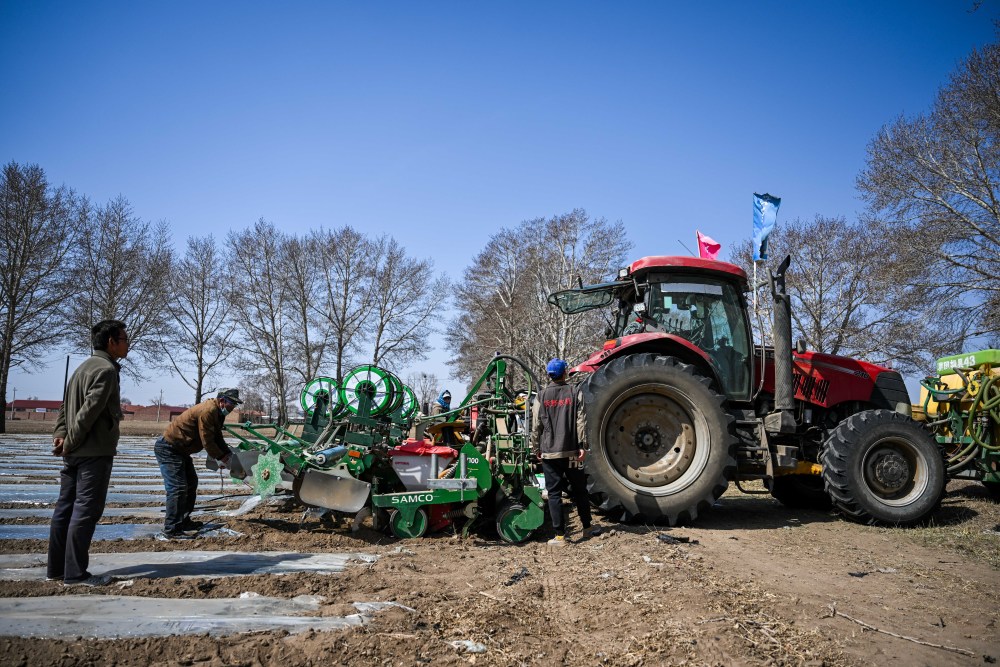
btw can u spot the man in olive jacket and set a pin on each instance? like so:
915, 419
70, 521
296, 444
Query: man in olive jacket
86, 436
199, 427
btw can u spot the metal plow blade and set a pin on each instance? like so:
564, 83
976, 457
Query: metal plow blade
334, 490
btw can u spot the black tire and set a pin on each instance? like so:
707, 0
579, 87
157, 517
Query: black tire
805, 492
661, 445
882, 467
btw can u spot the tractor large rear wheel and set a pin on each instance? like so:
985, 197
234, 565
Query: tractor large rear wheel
661, 443
882, 467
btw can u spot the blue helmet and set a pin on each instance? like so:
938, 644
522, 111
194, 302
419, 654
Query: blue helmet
556, 368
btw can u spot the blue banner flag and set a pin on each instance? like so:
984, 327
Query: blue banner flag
765, 212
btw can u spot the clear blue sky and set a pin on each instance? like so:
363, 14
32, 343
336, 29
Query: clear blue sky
441, 122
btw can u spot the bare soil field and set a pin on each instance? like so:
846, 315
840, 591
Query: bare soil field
751, 583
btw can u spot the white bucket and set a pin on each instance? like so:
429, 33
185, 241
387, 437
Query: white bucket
415, 469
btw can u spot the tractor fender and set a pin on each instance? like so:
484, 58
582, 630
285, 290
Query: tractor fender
656, 343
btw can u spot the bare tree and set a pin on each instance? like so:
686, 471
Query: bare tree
123, 273
846, 298
493, 304
502, 299
254, 406
570, 249
425, 387
200, 329
39, 226
343, 257
307, 337
257, 295
934, 181
406, 301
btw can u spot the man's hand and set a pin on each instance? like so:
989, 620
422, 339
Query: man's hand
225, 461
581, 455
57, 446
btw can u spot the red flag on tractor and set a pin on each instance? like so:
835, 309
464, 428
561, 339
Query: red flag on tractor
708, 248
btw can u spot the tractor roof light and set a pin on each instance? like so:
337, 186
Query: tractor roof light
623, 273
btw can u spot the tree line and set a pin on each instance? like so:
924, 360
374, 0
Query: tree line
277, 308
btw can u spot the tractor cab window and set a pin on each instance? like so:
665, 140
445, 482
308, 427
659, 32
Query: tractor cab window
710, 315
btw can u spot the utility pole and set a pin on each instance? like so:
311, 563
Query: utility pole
159, 405
66, 378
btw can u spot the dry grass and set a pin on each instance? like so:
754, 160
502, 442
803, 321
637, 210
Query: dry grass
23, 426
968, 522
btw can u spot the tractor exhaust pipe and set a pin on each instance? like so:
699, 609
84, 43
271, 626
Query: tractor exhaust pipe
782, 420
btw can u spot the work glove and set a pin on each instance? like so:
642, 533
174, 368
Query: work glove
227, 462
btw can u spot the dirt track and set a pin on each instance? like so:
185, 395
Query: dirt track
754, 586
752, 583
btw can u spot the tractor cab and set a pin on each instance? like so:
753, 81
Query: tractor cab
664, 302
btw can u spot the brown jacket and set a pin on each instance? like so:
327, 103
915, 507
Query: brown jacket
198, 427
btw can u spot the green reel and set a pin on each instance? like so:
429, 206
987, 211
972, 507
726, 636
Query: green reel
410, 405
322, 387
397, 394
370, 381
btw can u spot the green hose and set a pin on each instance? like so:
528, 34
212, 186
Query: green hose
987, 400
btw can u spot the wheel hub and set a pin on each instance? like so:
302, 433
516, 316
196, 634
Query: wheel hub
892, 471
647, 439
651, 440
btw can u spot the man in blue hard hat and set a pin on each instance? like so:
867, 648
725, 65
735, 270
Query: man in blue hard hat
559, 439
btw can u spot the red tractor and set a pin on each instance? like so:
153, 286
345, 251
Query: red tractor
680, 402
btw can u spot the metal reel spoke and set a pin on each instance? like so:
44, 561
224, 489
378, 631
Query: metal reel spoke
321, 387
369, 381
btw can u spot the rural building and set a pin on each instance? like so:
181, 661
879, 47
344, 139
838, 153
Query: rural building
37, 410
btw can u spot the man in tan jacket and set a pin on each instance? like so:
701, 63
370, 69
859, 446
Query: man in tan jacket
199, 427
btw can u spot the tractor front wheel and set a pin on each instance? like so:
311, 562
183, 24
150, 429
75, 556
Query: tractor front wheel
882, 467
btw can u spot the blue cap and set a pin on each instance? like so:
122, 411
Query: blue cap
556, 368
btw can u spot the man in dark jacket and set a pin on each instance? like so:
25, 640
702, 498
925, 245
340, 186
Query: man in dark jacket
199, 427
559, 439
86, 436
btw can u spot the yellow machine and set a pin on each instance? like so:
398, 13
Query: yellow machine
961, 405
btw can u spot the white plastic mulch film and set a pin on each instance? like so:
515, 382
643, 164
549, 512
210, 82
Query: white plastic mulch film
115, 616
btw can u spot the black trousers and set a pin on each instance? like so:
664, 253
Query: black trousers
558, 474
83, 490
